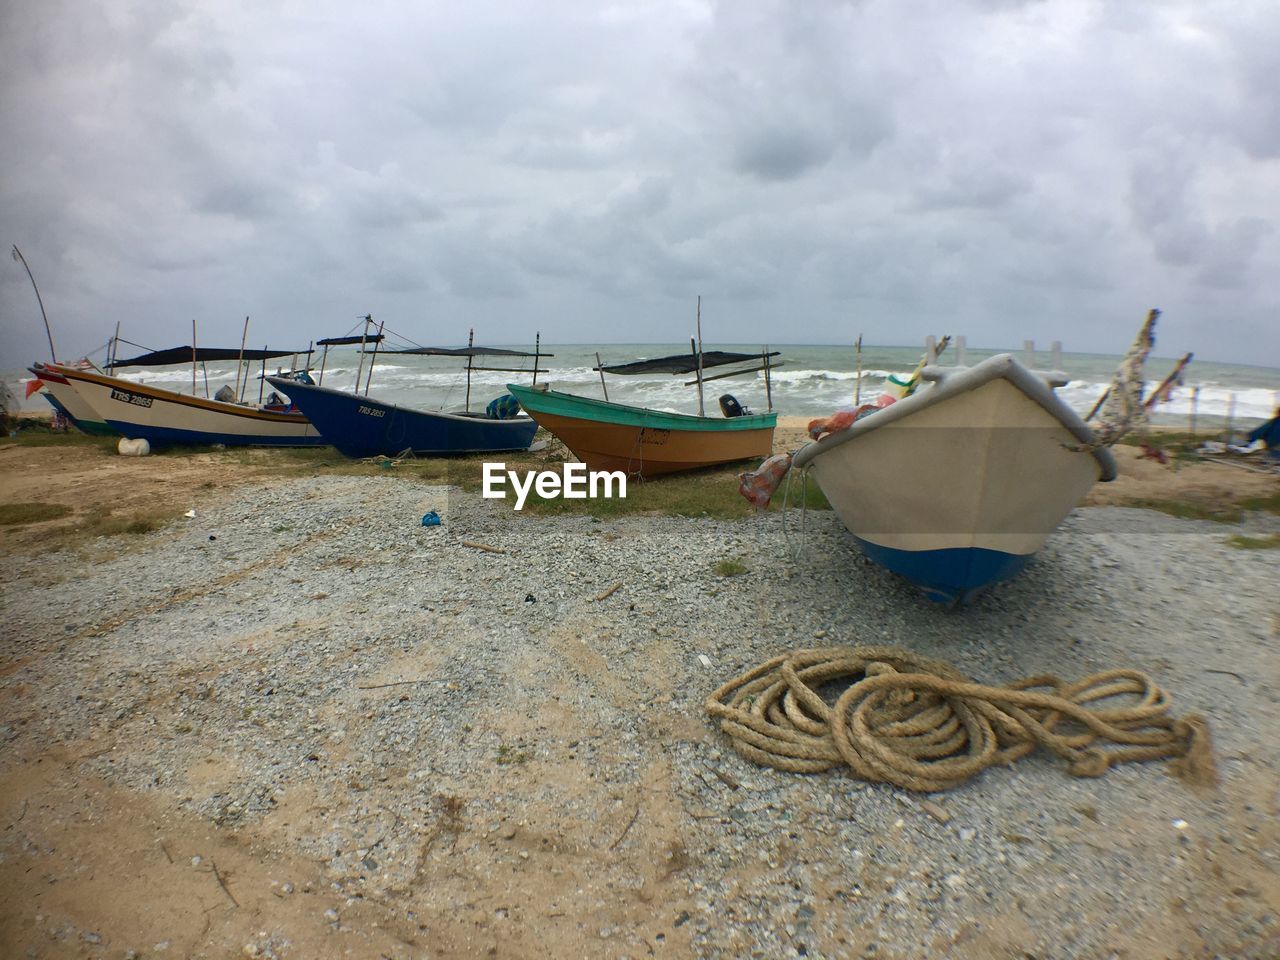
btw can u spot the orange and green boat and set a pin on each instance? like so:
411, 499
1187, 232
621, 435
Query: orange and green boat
647, 443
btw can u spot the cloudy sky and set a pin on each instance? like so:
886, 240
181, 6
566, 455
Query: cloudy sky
1002, 169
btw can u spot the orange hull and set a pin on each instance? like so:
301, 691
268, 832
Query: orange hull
650, 452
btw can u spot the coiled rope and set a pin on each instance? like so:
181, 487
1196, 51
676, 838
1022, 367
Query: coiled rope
919, 724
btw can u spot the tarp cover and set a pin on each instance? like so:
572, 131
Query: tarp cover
160, 358
681, 362
344, 341
468, 352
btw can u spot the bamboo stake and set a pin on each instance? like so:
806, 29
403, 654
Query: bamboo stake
701, 411
857, 383
471, 340
768, 384
240, 361
369, 379
17, 255
600, 367
364, 333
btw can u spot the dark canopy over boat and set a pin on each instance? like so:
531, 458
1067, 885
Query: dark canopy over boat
346, 341
681, 362
160, 358
468, 352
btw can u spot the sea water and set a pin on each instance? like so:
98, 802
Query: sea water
808, 381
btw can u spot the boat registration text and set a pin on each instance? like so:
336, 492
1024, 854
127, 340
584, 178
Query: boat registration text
124, 396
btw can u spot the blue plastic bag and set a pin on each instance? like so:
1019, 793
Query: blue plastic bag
432, 519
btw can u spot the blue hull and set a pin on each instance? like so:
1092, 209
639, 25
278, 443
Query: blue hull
953, 576
158, 437
363, 427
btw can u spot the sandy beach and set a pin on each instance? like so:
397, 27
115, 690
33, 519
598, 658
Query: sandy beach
300, 724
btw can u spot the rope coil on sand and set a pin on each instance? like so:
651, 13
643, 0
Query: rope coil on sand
919, 724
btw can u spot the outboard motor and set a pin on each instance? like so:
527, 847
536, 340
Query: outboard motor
730, 406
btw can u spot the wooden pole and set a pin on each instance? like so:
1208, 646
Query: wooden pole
115, 346
857, 382
768, 385
1231, 414
17, 255
471, 340
193, 356
324, 358
537, 349
1098, 406
1195, 402
240, 360
1167, 381
600, 368
701, 411
369, 378
364, 332
693, 350
262, 381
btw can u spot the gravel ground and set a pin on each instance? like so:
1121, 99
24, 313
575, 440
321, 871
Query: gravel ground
504, 764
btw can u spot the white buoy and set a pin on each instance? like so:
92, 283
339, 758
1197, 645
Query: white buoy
133, 448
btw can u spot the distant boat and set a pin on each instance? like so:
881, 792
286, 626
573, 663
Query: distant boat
359, 426
165, 418
956, 486
649, 443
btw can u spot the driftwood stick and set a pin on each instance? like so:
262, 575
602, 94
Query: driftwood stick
222, 883
625, 830
610, 592
482, 546
396, 683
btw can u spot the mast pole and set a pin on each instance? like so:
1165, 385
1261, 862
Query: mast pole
857, 383
262, 381
537, 349
471, 339
600, 367
698, 356
115, 345
323, 358
369, 378
364, 332
768, 386
193, 356
17, 255
240, 360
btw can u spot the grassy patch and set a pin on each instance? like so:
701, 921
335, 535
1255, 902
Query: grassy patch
1184, 510
1267, 504
728, 567
12, 514
508, 755
1241, 542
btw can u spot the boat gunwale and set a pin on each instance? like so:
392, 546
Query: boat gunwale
181, 399
950, 382
681, 421
471, 418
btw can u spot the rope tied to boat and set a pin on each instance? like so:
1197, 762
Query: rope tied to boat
919, 724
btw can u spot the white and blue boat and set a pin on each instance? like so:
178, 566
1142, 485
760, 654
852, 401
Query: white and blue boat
956, 486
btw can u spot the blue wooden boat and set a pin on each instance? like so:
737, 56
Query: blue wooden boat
359, 426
